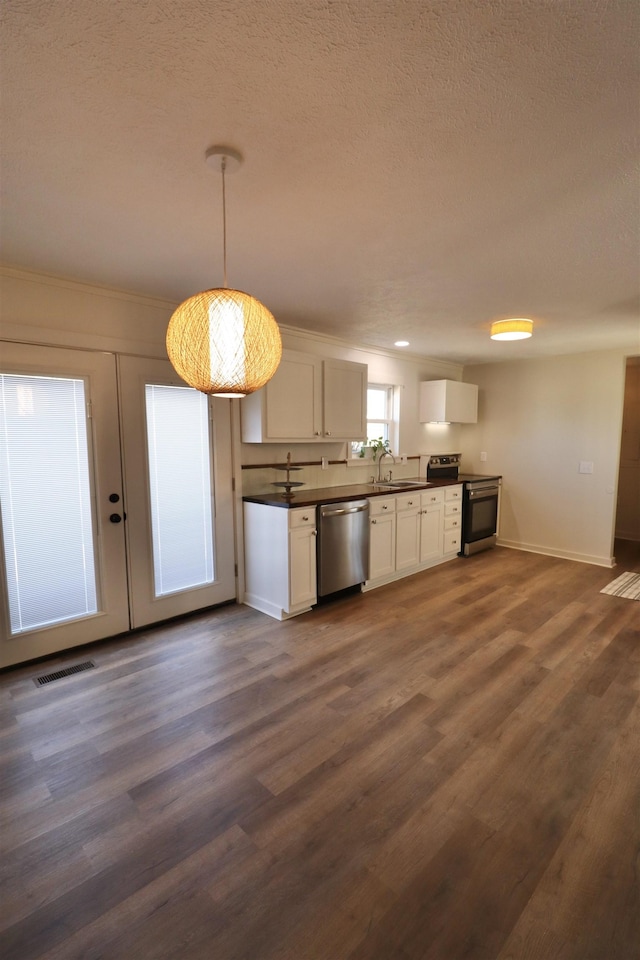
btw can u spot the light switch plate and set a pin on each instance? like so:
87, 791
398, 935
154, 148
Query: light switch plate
586, 466
483, 456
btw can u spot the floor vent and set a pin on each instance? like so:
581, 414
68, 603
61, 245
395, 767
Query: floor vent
67, 672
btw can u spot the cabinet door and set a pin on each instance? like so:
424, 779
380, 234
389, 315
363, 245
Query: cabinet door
431, 533
382, 546
292, 399
302, 567
289, 407
345, 400
407, 538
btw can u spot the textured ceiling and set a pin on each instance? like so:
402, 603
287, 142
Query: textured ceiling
413, 169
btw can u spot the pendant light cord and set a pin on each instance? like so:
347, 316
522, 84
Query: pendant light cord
224, 223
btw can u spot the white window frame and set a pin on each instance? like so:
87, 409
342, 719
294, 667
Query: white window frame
389, 422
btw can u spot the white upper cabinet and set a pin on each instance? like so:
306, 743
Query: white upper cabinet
345, 399
309, 398
449, 401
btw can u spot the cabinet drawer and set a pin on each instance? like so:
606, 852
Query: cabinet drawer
452, 523
453, 493
304, 517
451, 541
409, 501
452, 507
431, 496
380, 506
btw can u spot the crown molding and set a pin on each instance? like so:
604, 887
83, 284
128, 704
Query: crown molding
93, 289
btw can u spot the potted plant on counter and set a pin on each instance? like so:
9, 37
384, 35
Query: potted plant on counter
374, 449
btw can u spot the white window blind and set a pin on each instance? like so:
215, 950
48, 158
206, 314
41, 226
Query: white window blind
46, 501
180, 486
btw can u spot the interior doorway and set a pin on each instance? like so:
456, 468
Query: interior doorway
627, 528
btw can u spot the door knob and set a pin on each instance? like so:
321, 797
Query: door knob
114, 497
115, 518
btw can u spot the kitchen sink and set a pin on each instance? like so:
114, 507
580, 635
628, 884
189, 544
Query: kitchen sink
407, 484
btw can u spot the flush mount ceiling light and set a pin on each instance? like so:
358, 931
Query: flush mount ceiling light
401, 343
518, 329
224, 342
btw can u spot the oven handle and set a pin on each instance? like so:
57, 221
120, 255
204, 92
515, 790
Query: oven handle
484, 492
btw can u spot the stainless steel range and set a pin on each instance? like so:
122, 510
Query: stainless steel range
479, 502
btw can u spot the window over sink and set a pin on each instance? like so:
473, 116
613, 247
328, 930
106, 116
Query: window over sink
382, 418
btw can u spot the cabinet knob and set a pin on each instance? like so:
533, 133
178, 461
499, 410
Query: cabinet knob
384, 507
374, 521
317, 433
305, 519
410, 503
328, 433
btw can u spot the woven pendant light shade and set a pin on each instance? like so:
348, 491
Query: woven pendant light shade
224, 342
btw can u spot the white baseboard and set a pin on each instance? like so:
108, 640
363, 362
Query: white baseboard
561, 554
271, 609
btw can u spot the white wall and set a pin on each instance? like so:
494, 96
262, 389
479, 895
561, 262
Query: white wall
537, 420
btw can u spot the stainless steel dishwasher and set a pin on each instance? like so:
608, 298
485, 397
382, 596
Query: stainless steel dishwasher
343, 545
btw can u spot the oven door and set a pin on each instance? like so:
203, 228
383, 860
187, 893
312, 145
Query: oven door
479, 516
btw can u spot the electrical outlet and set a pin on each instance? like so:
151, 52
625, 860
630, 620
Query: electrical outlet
403, 459
586, 466
483, 456
324, 463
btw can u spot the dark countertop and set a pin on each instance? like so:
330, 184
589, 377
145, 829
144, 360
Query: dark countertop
352, 491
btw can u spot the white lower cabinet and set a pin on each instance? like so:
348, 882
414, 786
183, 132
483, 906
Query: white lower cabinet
382, 537
280, 559
407, 531
302, 558
452, 520
431, 533
412, 532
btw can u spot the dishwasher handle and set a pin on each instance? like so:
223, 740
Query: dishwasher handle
329, 511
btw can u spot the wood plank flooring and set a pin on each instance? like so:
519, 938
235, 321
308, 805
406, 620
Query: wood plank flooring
444, 768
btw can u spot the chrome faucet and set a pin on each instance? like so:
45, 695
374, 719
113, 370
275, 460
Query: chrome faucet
384, 454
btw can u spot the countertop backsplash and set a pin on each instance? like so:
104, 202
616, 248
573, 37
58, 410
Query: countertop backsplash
260, 480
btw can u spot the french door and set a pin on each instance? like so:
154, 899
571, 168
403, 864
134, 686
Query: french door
116, 494
179, 498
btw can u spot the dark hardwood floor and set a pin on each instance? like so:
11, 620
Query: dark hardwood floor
444, 768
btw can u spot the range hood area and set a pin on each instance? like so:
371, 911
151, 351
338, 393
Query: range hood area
448, 401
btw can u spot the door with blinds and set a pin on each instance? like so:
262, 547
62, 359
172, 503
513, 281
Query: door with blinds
178, 476
94, 542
